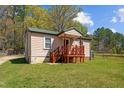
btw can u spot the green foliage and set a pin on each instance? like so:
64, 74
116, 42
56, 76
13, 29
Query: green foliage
62, 16
81, 28
12, 27
15, 19
107, 41
36, 16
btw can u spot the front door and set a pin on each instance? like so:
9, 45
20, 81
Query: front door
66, 42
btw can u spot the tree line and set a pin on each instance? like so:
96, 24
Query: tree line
15, 20
104, 40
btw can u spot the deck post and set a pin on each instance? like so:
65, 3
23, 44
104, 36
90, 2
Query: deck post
64, 50
53, 58
67, 59
75, 59
80, 45
81, 49
64, 40
80, 41
83, 59
80, 59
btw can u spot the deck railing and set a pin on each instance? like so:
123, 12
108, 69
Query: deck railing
73, 50
64, 51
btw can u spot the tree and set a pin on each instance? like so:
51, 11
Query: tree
96, 38
14, 21
118, 42
107, 41
103, 38
62, 15
11, 21
36, 16
81, 28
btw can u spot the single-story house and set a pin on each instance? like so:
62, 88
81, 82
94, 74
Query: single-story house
2, 39
51, 46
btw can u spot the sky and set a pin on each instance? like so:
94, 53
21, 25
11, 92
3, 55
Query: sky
96, 16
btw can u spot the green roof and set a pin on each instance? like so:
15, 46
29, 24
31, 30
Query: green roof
31, 29
37, 30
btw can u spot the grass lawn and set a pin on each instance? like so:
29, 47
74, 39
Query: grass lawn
100, 72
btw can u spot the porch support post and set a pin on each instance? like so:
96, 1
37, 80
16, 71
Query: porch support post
64, 40
80, 41
82, 51
64, 50
80, 48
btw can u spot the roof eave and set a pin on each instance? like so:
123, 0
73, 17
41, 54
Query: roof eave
69, 30
43, 33
32, 31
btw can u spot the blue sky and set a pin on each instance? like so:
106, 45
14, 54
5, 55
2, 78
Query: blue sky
95, 16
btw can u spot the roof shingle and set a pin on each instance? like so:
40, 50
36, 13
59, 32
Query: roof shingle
37, 30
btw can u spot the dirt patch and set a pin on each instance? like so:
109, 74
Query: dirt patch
7, 58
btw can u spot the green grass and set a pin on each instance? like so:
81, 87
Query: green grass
109, 54
100, 72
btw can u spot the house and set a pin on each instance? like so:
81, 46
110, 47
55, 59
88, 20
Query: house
2, 39
52, 46
1, 44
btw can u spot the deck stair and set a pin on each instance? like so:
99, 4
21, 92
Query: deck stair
67, 54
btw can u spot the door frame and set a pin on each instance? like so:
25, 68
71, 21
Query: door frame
68, 41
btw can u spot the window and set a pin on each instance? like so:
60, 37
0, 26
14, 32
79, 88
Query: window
47, 43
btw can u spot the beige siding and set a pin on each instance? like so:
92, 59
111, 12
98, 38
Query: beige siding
86, 44
76, 42
28, 46
37, 46
73, 32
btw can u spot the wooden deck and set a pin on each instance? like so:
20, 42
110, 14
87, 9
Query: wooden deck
68, 54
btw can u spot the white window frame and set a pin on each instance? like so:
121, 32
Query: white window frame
45, 42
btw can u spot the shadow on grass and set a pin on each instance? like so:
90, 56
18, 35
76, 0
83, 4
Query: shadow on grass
111, 55
18, 61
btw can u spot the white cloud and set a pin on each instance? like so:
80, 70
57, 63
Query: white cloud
113, 30
114, 20
88, 33
119, 16
84, 18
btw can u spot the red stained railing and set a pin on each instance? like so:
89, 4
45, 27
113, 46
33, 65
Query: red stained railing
64, 51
